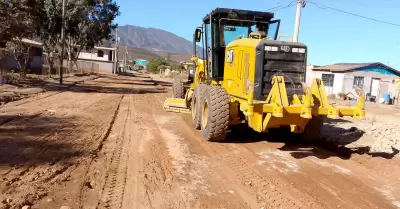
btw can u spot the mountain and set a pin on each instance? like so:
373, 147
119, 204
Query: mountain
153, 39
135, 53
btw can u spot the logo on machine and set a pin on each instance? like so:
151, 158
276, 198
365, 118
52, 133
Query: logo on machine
285, 48
229, 56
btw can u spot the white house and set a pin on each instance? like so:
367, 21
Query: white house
99, 53
103, 57
374, 78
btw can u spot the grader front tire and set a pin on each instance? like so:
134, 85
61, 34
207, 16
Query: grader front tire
313, 129
178, 89
214, 113
195, 105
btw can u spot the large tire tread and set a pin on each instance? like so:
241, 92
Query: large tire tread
178, 89
218, 117
197, 94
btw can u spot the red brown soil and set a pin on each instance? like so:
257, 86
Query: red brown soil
107, 143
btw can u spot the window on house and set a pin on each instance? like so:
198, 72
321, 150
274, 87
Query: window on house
328, 79
358, 81
100, 53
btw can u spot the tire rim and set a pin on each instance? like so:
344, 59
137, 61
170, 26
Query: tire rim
204, 114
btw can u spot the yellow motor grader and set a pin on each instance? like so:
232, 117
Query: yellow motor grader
247, 75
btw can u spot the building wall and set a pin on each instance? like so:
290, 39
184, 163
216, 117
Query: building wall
101, 66
34, 65
344, 82
378, 72
309, 74
331, 88
94, 55
90, 66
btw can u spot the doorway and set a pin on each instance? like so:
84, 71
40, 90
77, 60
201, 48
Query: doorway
375, 85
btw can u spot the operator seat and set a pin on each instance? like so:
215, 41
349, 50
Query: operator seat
258, 35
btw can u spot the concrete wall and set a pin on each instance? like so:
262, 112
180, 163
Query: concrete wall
344, 82
335, 88
98, 66
94, 55
368, 73
9, 62
92, 66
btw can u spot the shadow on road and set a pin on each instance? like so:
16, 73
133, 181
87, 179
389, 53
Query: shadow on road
40, 140
130, 82
163, 83
114, 90
103, 84
301, 148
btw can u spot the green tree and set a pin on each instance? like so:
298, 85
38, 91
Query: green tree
18, 19
154, 64
85, 31
87, 23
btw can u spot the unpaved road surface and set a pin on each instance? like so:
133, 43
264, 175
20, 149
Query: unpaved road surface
107, 143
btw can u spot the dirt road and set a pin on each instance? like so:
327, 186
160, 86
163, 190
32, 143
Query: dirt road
107, 143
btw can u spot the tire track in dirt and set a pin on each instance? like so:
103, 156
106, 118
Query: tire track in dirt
123, 146
253, 187
268, 191
114, 187
80, 143
222, 185
99, 147
332, 181
155, 187
169, 175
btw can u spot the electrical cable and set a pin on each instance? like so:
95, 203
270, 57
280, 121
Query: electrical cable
273, 9
349, 13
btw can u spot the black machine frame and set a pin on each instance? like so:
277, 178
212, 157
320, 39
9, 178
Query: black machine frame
214, 50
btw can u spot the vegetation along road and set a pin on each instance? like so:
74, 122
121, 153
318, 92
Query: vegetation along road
107, 143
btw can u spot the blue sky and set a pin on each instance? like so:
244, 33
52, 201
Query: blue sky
331, 36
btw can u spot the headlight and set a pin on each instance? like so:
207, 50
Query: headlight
299, 50
271, 48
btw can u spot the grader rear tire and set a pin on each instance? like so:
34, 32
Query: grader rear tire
313, 129
195, 105
178, 89
214, 113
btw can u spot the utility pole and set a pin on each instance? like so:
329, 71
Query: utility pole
116, 52
300, 4
125, 57
62, 41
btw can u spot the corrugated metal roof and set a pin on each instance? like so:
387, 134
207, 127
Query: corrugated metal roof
343, 67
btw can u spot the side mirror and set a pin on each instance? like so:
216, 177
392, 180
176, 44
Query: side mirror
197, 35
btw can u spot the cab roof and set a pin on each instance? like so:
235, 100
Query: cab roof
239, 14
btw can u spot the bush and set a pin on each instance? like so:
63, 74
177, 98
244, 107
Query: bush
154, 64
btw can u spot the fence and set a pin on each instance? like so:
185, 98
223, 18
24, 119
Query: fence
70, 67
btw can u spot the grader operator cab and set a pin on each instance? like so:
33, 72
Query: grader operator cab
247, 75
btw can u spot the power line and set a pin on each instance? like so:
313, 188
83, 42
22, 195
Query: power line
273, 9
349, 13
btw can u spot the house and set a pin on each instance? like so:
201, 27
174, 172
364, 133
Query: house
374, 78
102, 57
99, 54
35, 57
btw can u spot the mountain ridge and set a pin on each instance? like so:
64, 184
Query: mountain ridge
153, 39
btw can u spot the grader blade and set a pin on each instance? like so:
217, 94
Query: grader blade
176, 105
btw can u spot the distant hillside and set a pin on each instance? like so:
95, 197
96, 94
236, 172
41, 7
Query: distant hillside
137, 53
153, 39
